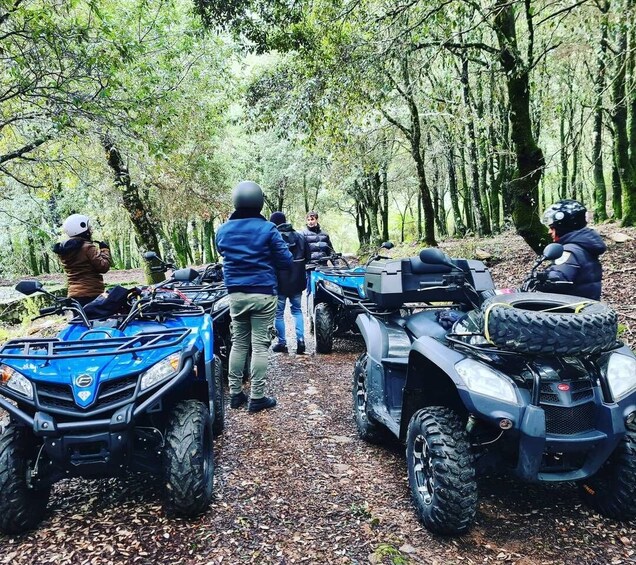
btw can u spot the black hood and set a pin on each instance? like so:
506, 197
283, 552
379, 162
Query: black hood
286, 227
587, 238
69, 246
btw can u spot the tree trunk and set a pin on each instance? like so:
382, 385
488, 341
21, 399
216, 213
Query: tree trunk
529, 157
472, 149
460, 228
600, 190
384, 208
621, 138
144, 226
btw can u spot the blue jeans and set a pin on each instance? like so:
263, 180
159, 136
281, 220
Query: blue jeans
297, 313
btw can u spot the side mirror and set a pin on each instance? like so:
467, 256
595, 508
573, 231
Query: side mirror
150, 256
435, 256
185, 275
28, 287
553, 251
387, 245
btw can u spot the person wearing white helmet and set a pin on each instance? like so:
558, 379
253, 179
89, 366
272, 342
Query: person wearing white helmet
84, 260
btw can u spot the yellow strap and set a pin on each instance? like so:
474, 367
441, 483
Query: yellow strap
486, 314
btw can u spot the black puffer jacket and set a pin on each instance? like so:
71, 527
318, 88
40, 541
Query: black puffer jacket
579, 264
292, 281
318, 241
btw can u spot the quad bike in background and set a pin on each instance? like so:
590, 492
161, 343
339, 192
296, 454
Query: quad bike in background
475, 381
337, 297
138, 391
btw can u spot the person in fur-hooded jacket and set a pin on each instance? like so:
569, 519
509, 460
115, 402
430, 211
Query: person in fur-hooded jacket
84, 260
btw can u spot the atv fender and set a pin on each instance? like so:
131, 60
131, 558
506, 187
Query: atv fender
432, 380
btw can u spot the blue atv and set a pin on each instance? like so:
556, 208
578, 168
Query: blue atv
479, 381
137, 391
337, 297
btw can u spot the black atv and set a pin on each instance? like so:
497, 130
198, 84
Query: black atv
474, 381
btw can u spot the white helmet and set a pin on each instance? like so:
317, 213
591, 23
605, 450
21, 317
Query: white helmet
75, 224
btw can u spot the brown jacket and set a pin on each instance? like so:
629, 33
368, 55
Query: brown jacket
84, 264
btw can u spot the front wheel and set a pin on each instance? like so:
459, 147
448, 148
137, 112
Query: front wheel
441, 471
188, 459
22, 507
612, 490
368, 429
323, 328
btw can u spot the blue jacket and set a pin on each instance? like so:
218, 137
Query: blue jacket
252, 250
579, 264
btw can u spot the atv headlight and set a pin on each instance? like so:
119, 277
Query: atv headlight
160, 371
621, 375
483, 380
332, 287
221, 303
15, 381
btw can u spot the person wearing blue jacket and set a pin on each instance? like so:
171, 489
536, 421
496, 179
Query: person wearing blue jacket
582, 247
253, 250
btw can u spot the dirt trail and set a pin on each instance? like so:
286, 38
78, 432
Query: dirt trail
296, 485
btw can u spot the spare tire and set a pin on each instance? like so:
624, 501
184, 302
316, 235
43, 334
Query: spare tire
549, 324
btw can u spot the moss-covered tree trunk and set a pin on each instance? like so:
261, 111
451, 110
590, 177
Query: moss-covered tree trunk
600, 189
480, 221
145, 231
621, 134
529, 157
460, 228
629, 189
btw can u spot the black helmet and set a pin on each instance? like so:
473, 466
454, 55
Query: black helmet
565, 216
248, 194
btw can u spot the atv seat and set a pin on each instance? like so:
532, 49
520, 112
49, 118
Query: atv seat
416, 266
425, 323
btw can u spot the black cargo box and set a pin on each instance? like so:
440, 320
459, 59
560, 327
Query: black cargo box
389, 284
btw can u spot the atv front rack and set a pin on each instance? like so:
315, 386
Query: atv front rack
54, 348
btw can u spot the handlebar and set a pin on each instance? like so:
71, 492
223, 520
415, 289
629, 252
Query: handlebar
49, 310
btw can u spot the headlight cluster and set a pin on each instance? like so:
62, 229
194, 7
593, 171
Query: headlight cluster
621, 375
484, 380
160, 371
10, 378
332, 287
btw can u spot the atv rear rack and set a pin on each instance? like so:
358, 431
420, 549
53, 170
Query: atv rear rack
54, 348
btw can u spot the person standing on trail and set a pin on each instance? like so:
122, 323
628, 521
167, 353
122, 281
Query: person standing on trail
317, 240
83, 259
252, 250
291, 283
582, 246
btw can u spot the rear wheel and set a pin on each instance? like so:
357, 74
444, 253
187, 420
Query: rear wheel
188, 459
441, 471
218, 425
323, 328
368, 429
22, 507
612, 490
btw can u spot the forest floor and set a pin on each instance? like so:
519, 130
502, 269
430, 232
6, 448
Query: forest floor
296, 485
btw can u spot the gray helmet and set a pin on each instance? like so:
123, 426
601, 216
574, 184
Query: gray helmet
247, 194
565, 216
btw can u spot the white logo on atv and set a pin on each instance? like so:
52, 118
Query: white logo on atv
84, 394
84, 380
